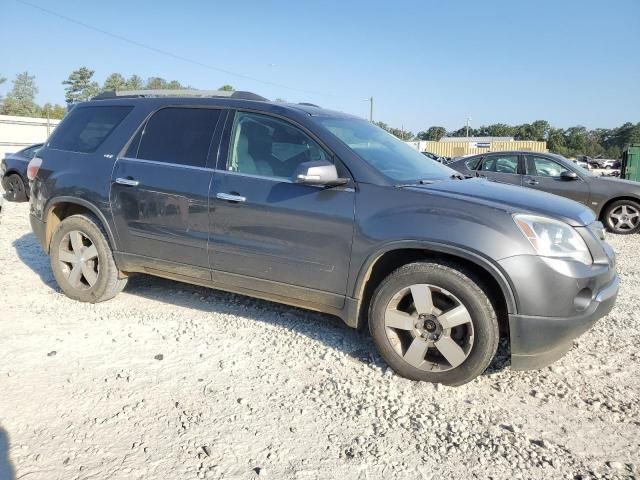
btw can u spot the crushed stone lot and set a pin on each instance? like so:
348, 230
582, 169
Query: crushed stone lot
174, 381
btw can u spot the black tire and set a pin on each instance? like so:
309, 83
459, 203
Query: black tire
617, 225
16, 188
108, 282
461, 284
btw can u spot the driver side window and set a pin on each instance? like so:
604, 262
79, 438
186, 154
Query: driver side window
265, 146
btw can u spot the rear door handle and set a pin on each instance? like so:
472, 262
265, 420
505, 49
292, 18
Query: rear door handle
129, 182
231, 198
531, 181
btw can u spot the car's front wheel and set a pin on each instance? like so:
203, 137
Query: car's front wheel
82, 260
433, 322
16, 188
623, 217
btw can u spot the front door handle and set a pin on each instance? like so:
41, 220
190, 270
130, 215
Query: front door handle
231, 198
129, 182
531, 181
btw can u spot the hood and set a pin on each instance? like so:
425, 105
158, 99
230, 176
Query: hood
512, 199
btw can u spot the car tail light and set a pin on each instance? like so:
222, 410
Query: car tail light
33, 167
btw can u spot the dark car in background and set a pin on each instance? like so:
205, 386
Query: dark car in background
616, 202
437, 158
325, 211
13, 170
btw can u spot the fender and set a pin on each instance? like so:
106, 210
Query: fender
89, 206
474, 257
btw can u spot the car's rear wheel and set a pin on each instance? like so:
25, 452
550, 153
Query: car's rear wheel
623, 217
82, 260
433, 322
16, 188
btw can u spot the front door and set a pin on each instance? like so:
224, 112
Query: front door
160, 189
269, 233
545, 174
501, 168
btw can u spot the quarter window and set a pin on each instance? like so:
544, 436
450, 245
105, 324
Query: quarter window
85, 128
266, 146
501, 164
543, 167
178, 135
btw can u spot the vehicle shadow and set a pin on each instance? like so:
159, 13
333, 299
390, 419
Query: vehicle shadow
6, 468
31, 254
324, 328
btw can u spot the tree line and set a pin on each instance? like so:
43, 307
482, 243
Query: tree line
81, 86
572, 141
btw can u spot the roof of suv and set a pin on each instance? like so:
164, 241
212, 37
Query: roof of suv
236, 99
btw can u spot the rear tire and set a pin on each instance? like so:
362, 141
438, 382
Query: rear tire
16, 188
82, 260
450, 335
622, 217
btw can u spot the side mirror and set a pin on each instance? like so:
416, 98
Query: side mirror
318, 173
567, 175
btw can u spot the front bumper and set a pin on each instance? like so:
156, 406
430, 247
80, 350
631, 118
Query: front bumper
538, 341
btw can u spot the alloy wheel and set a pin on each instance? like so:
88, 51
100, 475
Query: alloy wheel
16, 187
624, 218
79, 260
429, 327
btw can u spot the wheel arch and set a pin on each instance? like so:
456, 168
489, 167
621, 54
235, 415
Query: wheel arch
394, 255
608, 203
62, 207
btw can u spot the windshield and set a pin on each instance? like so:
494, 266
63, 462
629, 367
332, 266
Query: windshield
384, 152
574, 164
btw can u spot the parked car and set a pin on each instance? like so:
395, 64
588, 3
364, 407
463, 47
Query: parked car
13, 170
582, 164
321, 210
610, 163
435, 157
616, 202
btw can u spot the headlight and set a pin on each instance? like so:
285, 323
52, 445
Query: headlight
552, 238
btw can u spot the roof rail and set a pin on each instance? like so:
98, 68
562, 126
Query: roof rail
309, 104
179, 93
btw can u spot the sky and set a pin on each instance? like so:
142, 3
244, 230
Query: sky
571, 62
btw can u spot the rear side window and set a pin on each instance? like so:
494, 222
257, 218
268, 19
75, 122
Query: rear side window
500, 164
178, 135
86, 128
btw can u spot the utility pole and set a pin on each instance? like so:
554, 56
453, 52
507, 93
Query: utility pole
370, 109
468, 118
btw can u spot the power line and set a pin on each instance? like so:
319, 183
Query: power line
174, 55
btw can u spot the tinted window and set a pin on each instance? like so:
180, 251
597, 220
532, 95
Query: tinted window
543, 167
262, 145
500, 164
85, 128
31, 151
179, 135
473, 163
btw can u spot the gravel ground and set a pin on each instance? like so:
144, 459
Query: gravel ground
174, 381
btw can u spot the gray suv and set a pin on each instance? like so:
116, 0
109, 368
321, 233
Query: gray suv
321, 210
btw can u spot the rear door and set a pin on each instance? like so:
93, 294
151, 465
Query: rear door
543, 173
269, 233
160, 189
501, 168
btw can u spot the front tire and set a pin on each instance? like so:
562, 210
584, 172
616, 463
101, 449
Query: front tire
433, 322
16, 188
82, 260
623, 217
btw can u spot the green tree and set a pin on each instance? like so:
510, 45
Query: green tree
113, 83
577, 140
432, 133
134, 82
79, 86
156, 83
53, 111
20, 100
226, 88
556, 141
